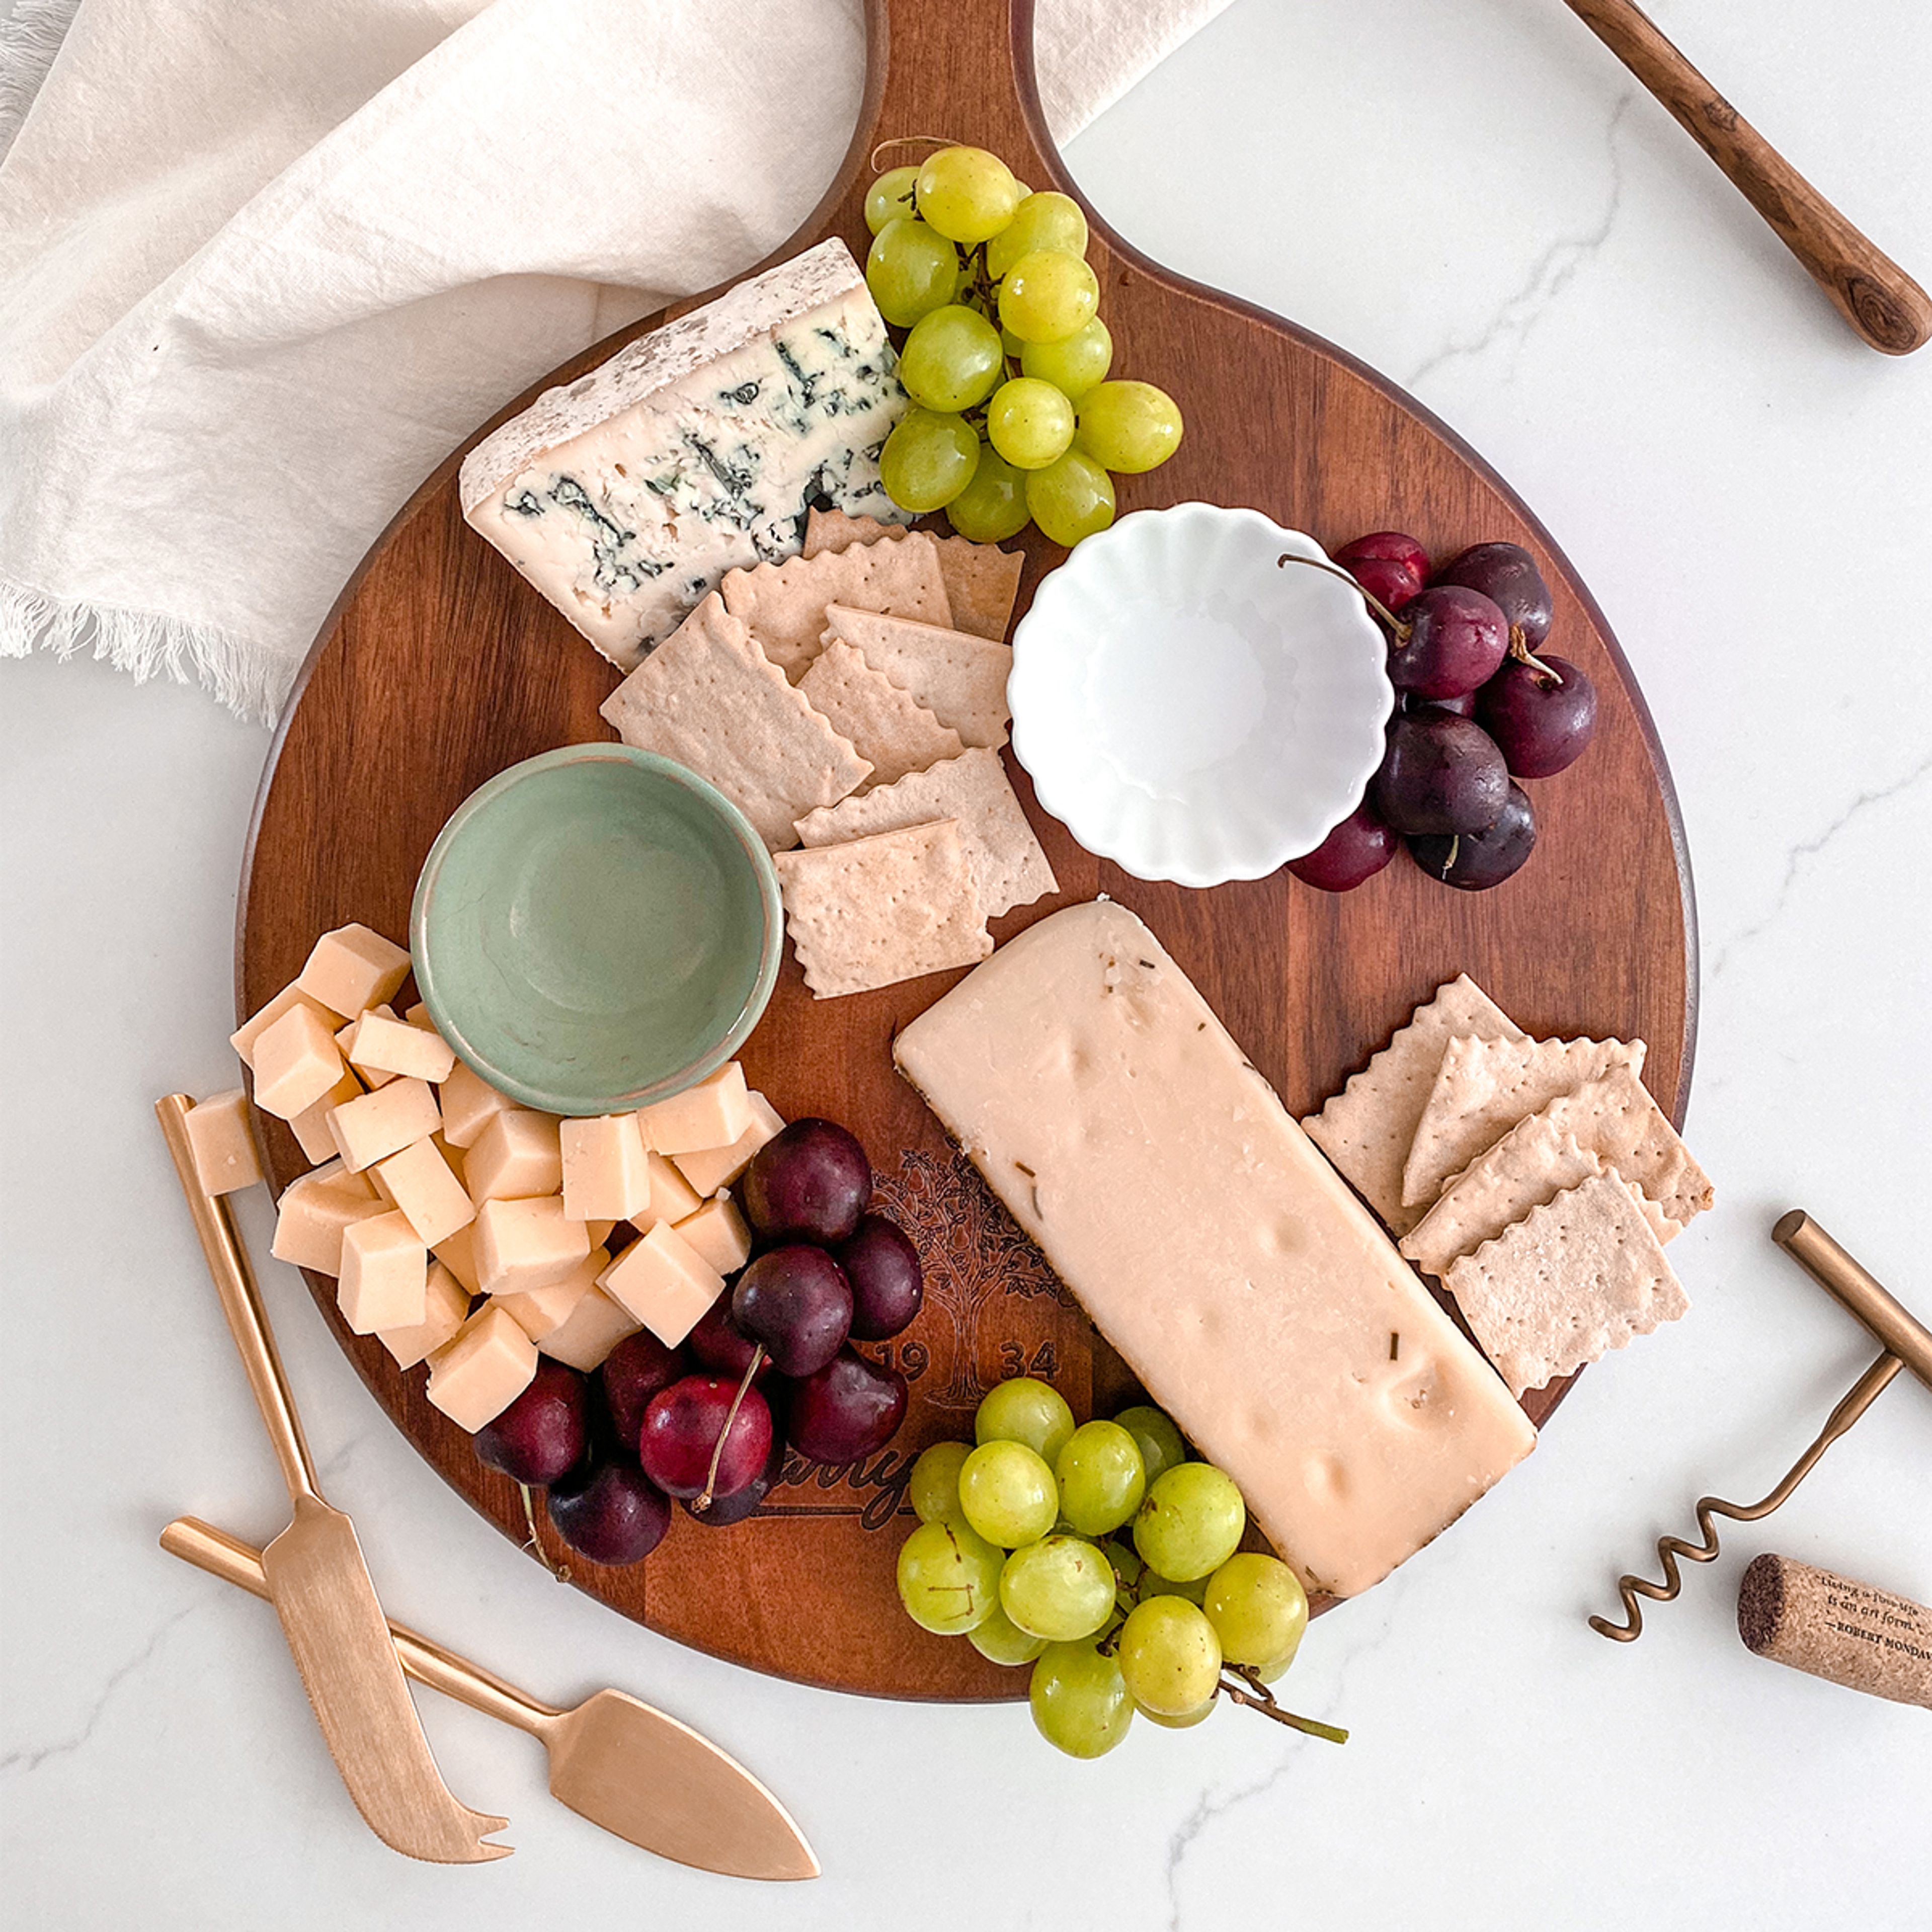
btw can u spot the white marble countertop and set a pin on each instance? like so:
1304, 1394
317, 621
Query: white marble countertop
1476, 199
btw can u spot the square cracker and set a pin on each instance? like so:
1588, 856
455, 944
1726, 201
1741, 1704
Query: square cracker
1484, 1087
783, 604
1365, 1129
1532, 1164
982, 581
708, 697
961, 680
883, 909
884, 723
1573, 1279
1008, 866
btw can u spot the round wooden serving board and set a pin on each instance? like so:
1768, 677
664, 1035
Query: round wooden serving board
440, 666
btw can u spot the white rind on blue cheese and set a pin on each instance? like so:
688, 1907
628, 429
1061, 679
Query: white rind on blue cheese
625, 496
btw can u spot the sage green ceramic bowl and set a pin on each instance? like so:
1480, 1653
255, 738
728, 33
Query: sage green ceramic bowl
596, 928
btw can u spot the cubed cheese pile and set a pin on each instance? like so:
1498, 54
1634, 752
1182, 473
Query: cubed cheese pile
432, 1188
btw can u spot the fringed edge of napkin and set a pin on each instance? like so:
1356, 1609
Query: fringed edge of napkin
145, 644
30, 38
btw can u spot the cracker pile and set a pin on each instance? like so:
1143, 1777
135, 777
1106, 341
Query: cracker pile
1536, 1179
854, 701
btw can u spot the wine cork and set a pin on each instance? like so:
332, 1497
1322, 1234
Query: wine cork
1865, 1639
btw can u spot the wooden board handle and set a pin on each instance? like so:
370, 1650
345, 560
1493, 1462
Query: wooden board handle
1870, 290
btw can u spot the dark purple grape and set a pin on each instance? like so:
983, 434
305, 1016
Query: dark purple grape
611, 1513
1389, 565
810, 1182
850, 1408
1356, 849
725, 1510
795, 1300
718, 1344
888, 1285
634, 1371
1455, 640
1506, 574
543, 1434
1541, 722
681, 1431
1441, 773
1476, 860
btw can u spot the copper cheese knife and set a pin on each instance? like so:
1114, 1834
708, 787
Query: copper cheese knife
618, 1762
314, 1575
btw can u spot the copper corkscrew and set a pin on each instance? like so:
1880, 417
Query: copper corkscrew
1907, 1345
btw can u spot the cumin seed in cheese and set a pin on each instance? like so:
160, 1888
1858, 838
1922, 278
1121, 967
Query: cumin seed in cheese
1213, 1245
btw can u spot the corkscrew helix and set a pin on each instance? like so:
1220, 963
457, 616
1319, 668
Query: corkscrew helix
1907, 1344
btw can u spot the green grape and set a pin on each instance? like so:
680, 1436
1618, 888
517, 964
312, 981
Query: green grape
934, 1487
1161, 1445
1071, 499
1041, 221
1008, 1494
911, 270
1154, 1584
1047, 295
928, 459
1169, 1656
1029, 422
949, 1578
999, 1640
967, 194
1185, 1722
1128, 427
1079, 1699
1074, 364
1060, 1588
1025, 1410
1008, 341
992, 507
1275, 1669
1102, 1478
890, 198
1259, 1609
951, 359
1190, 1523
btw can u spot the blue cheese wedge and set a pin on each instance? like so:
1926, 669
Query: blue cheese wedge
625, 496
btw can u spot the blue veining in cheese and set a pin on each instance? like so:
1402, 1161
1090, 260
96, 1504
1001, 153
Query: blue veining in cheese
625, 496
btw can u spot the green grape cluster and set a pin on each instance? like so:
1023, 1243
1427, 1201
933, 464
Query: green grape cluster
1104, 1556
1005, 358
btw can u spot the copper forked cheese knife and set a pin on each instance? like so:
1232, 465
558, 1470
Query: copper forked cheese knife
314, 1575
622, 1765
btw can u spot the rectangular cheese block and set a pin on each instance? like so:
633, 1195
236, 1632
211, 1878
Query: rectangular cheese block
383, 1123
541, 1311
382, 1046
296, 1063
525, 1244
314, 1211
223, 1143
244, 1037
712, 1114
310, 1126
457, 1253
420, 1182
596, 1326
625, 497
370, 1077
517, 1156
604, 1170
469, 1103
664, 1283
1086, 1077
718, 1234
352, 969
476, 1375
384, 1274
445, 1306
714, 1168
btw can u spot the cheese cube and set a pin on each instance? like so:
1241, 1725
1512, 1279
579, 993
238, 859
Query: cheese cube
453, 1154
457, 1253
370, 1077
352, 969
541, 1311
223, 1143
244, 1037
446, 1306
603, 1169
525, 1244
379, 1124
712, 1114
418, 1181
469, 1103
476, 1376
672, 1198
295, 1063
314, 1211
310, 1126
595, 1326
714, 1168
664, 1283
384, 1274
516, 1155
718, 1233
380, 1043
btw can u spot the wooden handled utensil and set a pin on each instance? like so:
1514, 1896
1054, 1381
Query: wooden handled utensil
1870, 290
314, 1575
618, 1762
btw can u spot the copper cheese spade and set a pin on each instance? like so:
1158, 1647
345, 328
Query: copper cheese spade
314, 1575
622, 1765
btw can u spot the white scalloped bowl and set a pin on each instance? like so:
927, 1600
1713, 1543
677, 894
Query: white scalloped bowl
1191, 708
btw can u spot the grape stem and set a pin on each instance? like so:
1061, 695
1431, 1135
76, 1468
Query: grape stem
1401, 631
700, 1504
1250, 1691
535, 1543
1520, 650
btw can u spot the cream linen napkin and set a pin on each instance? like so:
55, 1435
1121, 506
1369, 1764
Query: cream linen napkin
262, 266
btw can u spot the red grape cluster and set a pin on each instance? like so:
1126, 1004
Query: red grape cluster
706, 1423
1479, 705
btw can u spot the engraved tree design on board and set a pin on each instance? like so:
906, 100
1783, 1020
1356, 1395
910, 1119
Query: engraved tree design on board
974, 1252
